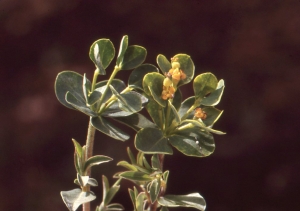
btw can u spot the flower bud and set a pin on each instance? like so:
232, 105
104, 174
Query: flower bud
175, 65
167, 82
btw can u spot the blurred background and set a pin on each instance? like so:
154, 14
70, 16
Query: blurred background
253, 45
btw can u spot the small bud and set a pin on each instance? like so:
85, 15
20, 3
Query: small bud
175, 65
167, 82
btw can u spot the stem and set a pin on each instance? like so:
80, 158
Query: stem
96, 73
88, 153
112, 76
90, 144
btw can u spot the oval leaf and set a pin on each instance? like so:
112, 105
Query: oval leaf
213, 115
69, 81
79, 105
152, 140
156, 112
187, 66
122, 50
203, 85
153, 86
163, 63
193, 141
133, 57
215, 97
185, 106
102, 53
154, 189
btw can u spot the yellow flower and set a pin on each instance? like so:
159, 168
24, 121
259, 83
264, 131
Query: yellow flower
168, 92
199, 113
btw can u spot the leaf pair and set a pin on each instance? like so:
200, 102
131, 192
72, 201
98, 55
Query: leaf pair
102, 53
81, 164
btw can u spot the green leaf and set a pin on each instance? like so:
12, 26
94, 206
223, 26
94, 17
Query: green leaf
152, 140
96, 160
136, 121
136, 176
78, 148
194, 200
111, 193
155, 162
187, 66
69, 81
115, 111
102, 53
94, 97
74, 198
122, 50
140, 201
127, 165
154, 189
105, 186
116, 83
146, 164
153, 86
163, 63
133, 57
79, 105
177, 99
78, 163
114, 207
143, 169
213, 115
215, 97
166, 176
130, 101
139, 158
132, 197
156, 112
136, 77
185, 106
203, 85
193, 141
86, 87
131, 156
103, 125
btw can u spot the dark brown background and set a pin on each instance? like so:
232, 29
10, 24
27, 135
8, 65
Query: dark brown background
253, 45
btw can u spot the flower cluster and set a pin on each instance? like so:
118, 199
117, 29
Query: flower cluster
199, 113
173, 77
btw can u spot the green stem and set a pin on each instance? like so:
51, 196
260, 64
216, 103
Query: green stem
90, 143
89, 153
112, 76
96, 73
